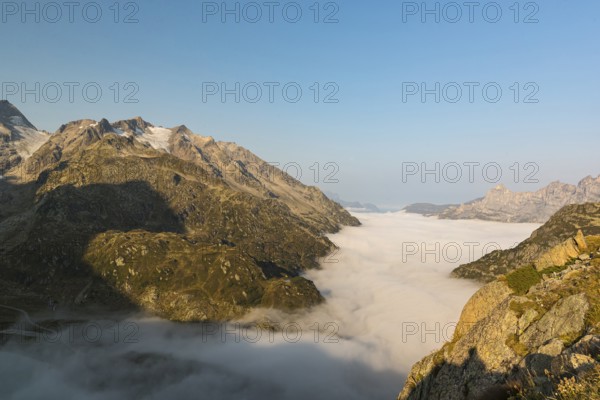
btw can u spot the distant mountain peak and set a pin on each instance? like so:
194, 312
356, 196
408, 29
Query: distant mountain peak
104, 126
504, 205
136, 126
19, 138
588, 180
508, 206
181, 129
10, 115
76, 125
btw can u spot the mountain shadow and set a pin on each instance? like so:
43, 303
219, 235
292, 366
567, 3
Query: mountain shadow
43, 240
471, 380
123, 246
535, 376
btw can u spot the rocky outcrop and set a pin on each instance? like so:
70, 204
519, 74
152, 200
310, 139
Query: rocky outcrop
481, 304
129, 215
526, 344
555, 243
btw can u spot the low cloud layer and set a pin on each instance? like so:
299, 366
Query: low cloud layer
389, 302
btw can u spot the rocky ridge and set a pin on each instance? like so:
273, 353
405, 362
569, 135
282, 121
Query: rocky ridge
503, 205
553, 244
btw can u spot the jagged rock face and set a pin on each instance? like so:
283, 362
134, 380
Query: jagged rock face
554, 243
501, 204
18, 137
131, 215
507, 343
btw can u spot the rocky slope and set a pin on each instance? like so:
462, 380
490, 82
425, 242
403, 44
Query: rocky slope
552, 244
503, 205
132, 215
531, 334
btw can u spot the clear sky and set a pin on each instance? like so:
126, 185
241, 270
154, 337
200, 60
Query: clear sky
370, 61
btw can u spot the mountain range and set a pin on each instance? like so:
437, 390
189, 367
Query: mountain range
132, 215
503, 205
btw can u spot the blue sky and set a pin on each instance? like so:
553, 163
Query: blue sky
369, 56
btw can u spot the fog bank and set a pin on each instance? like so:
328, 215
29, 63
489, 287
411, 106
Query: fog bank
390, 301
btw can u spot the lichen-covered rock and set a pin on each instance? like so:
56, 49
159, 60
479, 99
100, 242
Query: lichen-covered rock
481, 304
566, 317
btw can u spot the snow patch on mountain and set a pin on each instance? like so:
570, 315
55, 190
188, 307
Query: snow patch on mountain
29, 140
156, 137
17, 120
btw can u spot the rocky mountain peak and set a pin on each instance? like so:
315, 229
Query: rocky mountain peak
11, 116
75, 126
588, 181
181, 129
104, 126
19, 138
504, 205
136, 126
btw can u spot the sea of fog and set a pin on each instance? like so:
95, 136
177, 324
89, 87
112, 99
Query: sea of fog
390, 301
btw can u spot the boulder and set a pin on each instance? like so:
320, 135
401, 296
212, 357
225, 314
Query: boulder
566, 317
